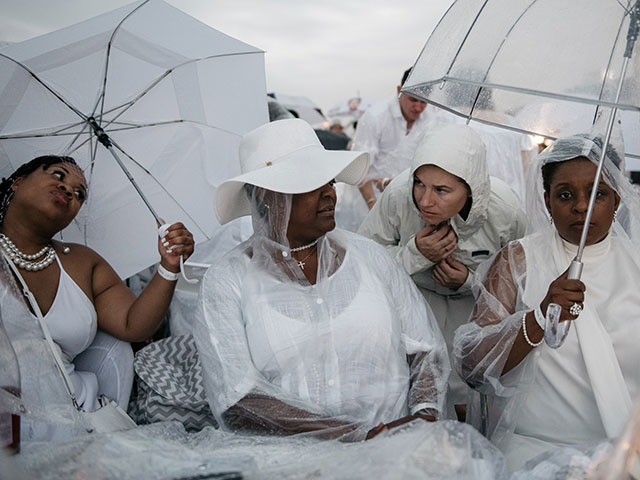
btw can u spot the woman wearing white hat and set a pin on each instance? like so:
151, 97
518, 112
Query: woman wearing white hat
304, 328
440, 219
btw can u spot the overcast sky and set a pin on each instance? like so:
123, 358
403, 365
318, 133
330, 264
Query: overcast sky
325, 50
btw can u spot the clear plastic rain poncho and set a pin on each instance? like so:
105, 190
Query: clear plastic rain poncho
580, 393
283, 356
50, 415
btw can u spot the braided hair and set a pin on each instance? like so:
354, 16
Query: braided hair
6, 193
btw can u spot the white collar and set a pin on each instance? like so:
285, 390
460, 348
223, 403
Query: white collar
591, 253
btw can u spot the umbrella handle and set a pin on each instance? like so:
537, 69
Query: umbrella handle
161, 230
575, 269
555, 332
184, 276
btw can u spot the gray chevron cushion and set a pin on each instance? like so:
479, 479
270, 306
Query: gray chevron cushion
170, 384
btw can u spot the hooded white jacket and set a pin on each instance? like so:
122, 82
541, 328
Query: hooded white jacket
495, 218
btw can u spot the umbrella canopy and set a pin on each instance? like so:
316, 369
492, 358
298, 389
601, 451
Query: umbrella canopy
352, 106
174, 96
543, 67
301, 107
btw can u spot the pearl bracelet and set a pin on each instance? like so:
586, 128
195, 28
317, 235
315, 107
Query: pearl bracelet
166, 274
524, 332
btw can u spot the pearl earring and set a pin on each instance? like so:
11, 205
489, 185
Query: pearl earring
615, 215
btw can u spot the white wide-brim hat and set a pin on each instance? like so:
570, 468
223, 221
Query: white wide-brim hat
285, 156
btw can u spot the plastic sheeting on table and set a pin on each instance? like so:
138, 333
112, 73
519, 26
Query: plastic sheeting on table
441, 450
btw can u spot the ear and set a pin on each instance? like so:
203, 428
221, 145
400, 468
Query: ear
617, 201
399, 88
16, 182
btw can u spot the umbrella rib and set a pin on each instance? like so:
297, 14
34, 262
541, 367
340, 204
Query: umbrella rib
464, 40
528, 91
427, 42
506, 126
47, 87
123, 127
627, 9
486, 73
604, 77
171, 122
101, 98
145, 170
130, 103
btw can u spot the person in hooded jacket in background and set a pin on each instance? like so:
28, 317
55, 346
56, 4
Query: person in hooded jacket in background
440, 219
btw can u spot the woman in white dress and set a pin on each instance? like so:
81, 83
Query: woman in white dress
581, 393
79, 294
304, 328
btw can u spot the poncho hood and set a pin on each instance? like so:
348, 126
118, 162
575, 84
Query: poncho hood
459, 150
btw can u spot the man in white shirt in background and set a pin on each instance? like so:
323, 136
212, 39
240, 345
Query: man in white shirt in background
382, 128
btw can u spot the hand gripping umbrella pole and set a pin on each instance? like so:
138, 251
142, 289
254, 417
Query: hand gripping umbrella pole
554, 340
104, 139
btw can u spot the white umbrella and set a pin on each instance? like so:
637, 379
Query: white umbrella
174, 97
301, 107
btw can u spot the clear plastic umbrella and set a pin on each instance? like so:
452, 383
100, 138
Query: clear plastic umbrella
500, 61
536, 66
173, 97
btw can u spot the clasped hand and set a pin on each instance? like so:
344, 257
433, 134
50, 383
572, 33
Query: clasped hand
450, 273
437, 243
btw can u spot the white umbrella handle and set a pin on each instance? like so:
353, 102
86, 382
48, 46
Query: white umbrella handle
161, 231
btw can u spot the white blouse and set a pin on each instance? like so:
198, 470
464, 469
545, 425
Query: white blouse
337, 348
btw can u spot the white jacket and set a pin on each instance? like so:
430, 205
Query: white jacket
494, 219
395, 220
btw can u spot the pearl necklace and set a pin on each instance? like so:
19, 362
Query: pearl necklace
24, 260
304, 247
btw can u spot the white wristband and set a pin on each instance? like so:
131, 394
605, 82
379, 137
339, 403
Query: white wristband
166, 274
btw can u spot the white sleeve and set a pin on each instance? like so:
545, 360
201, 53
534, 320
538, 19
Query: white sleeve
221, 339
424, 344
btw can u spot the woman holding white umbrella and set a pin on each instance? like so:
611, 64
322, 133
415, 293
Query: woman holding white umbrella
75, 289
580, 393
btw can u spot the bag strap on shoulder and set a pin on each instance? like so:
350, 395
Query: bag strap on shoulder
52, 346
